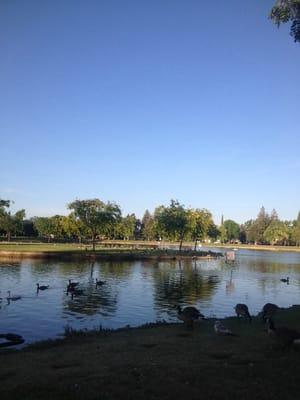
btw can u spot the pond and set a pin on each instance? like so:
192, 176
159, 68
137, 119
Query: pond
138, 292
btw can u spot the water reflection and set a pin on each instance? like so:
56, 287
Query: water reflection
140, 292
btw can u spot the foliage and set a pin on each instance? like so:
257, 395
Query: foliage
232, 230
287, 11
173, 221
276, 233
10, 223
96, 216
200, 222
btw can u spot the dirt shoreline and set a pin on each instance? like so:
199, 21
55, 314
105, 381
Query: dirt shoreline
157, 362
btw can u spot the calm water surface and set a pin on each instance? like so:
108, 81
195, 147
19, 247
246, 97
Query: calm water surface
141, 291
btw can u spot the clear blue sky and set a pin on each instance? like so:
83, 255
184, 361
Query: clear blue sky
142, 101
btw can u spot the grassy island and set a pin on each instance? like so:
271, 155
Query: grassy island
69, 251
159, 361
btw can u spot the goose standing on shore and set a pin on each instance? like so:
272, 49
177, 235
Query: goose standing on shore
284, 336
269, 310
188, 315
221, 329
242, 310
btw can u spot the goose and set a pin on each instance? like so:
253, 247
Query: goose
99, 282
283, 335
12, 298
76, 292
188, 315
269, 310
43, 287
221, 329
72, 285
242, 309
287, 280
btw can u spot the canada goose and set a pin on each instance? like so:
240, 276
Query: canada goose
268, 311
99, 282
287, 280
188, 315
221, 329
283, 335
72, 285
76, 292
242, 309
12, 298
43, 287
11, 339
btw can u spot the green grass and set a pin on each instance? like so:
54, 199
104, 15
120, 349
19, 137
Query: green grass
162, 361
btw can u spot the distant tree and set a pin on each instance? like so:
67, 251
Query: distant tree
287, 11
200, 221
173, 221
232, 229
276, 233
213, 231
257, 228
45, 227
96, 216
148, 231
10, 223
73, 227
125, 228
295, 234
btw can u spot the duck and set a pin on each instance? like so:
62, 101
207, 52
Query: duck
99, 282
72, 285
42, 287
221, 329
242, 309
283, 335
12, 298
188, 315
268, 310
285, 280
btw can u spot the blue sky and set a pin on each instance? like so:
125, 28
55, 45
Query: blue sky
142, 101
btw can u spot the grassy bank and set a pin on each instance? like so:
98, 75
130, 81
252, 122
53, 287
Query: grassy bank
159, 362
70, 251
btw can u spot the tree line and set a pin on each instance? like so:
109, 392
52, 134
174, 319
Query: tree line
94, 219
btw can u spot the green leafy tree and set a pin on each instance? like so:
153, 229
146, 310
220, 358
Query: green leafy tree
200, 222
276, 233
148, 227
125, 228
295, 234
232, 229
285, 11
10, 223
45, 227
173, 221
96, 216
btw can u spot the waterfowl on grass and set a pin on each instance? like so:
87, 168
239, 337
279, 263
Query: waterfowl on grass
221, 329
283, 335
269, 310
285, 280
242, 309
12, 298
42, 287
188, 315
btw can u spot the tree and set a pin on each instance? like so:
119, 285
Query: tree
200, 221
276, 233
96, 216
287, 11
148, 226
173, 221
296, 231
45, 226
10, 223
125, 228
232, 229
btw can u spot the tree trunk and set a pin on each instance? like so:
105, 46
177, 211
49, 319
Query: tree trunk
8, 236
94, 241
195, 248
180, 245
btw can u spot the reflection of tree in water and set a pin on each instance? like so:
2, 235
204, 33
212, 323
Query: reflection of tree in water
102, 300
181, 283
116, 269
